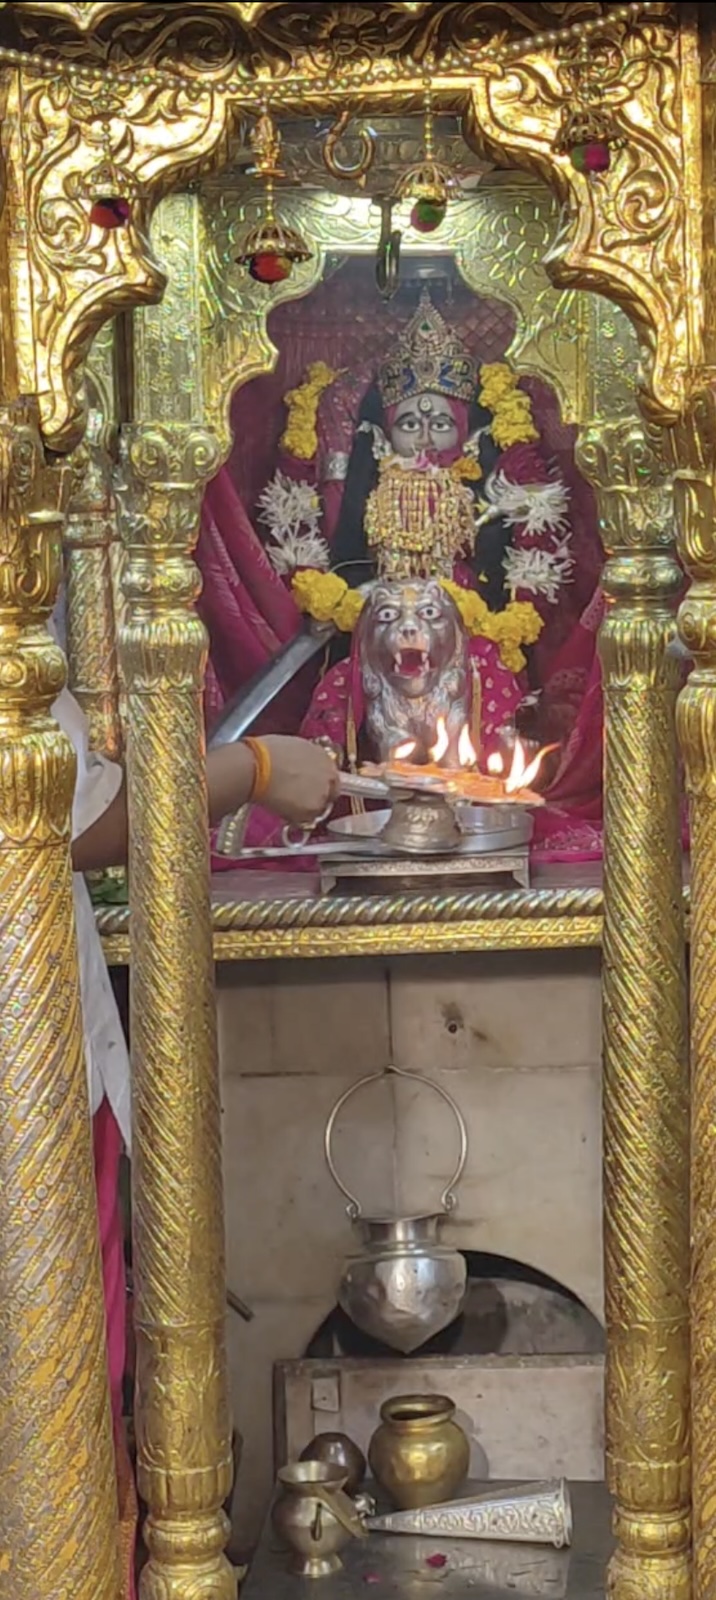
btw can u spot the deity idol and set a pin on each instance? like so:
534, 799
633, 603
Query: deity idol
446, 497
530, 530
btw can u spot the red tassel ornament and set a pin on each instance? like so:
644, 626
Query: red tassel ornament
265, 267
111, 212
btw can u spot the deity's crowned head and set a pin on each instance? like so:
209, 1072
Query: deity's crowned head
427, 384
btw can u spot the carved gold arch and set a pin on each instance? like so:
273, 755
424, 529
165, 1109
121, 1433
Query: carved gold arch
627, 237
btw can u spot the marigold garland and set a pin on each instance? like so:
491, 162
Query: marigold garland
300, 438
467, 469
511, 407
328, 599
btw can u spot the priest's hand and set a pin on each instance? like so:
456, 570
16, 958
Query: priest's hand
304, 780
299, 782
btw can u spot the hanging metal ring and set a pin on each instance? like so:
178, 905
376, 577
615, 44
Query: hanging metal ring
448, 1199
360, 169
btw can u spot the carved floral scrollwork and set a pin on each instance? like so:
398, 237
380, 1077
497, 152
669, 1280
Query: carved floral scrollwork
626, 464
162, 474
79, 274
624, 234
338, 34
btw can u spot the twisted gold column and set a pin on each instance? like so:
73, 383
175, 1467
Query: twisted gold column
695, 484
90, 532
58, 1497
183, 1431
646, 1219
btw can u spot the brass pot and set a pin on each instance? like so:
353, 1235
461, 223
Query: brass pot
337, 1450
315, 1518
419, 1455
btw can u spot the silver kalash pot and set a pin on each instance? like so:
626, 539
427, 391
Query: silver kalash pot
403, 1285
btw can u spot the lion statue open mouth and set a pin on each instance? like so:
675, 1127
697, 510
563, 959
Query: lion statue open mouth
413, 656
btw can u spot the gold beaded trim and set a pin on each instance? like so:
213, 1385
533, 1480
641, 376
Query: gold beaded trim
237, 86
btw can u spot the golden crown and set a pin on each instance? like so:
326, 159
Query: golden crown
428, 359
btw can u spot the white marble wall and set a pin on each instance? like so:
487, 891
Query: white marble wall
515, 1039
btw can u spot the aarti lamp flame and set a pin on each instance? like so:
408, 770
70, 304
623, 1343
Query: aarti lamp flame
466, 754
522, 775
495, 764
442, 743
404, 751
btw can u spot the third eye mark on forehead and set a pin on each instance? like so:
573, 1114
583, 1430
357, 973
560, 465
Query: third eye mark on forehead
424, 416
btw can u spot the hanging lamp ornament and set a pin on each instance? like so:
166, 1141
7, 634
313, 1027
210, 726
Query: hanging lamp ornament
430, 183
109, 187
271, 249
588, 134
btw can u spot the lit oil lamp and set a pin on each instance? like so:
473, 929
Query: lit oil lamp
465, 781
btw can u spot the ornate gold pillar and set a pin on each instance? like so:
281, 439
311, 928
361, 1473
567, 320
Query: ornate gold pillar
90, 533
183, 1428
645, 1117
58, 1504
695, 453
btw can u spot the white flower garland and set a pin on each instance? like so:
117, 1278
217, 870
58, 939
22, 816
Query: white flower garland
291, 512
538, 571
538, 508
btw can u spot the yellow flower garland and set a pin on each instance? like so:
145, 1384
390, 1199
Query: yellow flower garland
512, 420
300, 438
328, 599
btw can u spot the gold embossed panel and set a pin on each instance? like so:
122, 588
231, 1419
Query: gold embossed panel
210, 335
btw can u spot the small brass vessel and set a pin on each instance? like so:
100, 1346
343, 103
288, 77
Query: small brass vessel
419, 1455
315, 1518
337, 1450
421, 823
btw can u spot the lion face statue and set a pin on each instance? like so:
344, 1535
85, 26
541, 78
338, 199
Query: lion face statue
413, 658
411, 633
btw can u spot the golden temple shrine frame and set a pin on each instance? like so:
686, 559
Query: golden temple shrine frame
121, 349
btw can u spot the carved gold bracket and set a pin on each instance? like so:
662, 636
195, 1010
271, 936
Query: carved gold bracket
67, 278
626, 235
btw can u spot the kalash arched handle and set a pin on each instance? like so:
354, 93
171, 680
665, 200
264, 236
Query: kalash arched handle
448, 1199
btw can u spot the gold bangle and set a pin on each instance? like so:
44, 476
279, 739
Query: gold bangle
262, 766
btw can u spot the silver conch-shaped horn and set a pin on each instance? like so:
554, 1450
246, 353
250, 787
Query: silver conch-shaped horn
528, 1513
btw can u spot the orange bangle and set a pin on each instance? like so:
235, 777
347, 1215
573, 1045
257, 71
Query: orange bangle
262, 765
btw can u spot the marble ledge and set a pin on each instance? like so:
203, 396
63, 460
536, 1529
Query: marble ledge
261, 916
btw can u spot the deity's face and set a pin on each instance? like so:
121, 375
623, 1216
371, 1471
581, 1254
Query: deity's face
425, 422
411, 633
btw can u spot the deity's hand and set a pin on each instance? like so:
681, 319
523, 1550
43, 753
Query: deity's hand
304, 779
